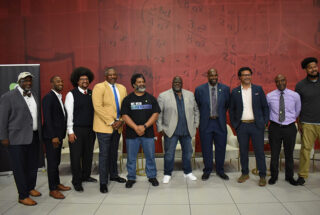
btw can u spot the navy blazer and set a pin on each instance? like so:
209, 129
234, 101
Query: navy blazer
54, 121
202, 97
259, 106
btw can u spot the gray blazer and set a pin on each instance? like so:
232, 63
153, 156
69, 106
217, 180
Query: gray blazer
15, 118
168, 118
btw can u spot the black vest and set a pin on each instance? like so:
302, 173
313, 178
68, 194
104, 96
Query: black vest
82, 109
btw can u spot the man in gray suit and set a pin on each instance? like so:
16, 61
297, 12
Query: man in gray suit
20, 126
178, 120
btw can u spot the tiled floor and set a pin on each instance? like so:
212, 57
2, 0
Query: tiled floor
179, 197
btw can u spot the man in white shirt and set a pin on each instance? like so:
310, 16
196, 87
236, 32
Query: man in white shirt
20, 129
79, 107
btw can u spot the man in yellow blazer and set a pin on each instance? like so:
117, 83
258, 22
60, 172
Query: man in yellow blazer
107, 98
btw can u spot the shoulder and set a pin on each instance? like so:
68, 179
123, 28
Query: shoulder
99, 85
187, 92
149, 96
223, 86
165, 93
301, 83
202, 86
293, 93
121, 87
236, 90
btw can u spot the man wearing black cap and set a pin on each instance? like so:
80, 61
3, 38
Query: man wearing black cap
20, 126
309, 120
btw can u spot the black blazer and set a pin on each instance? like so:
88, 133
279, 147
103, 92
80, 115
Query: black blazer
259, 106
54, 121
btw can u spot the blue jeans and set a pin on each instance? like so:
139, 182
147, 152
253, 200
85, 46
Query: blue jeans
108, 155
170, 144
133, 146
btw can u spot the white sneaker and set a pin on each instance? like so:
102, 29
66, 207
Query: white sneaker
166, 179
190, 176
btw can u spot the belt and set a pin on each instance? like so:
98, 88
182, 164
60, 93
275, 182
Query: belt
248, 121
281, 126
213, 117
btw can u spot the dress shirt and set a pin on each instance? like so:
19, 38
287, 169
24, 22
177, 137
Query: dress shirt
182, 126
118, 95
292, 106
69, 105
32, 105
247, 113
60, 100
216, 92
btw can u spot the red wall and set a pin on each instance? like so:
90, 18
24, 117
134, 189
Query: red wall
162, 38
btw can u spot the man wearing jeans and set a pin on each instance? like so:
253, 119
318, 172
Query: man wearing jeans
140, 111
106, 98
178, 120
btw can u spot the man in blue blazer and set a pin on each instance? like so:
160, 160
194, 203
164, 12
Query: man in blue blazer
213, 102
249, 114
54, 131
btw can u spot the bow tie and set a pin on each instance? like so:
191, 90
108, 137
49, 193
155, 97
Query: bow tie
27, 93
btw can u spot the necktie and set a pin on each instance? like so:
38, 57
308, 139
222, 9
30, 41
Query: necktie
85, 92
282, 113
27, 93
214, 102
117, 102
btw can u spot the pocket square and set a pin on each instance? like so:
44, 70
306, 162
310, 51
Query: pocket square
256, 94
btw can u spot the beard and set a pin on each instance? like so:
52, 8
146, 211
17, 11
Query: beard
313, 76
177, 90
141, 89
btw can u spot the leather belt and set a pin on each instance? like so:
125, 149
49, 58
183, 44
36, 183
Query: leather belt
213, 117
248, 121
281, 126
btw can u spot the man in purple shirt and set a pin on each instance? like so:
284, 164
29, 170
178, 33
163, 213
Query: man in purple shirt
284, 106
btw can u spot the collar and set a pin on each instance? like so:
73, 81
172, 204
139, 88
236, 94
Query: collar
284, 91
59, 95
241, 86
82, 90
21, 90
111, 84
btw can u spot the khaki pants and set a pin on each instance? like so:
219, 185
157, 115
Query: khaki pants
309, 136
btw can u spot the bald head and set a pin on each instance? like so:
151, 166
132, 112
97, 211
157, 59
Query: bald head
281, 82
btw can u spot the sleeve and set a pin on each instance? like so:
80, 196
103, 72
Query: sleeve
125, 107
196, 113
4, 117
197, 97
265, 107
161, 105
47, 117
69, 105
227, 104
155, 106
232, 109
298, 105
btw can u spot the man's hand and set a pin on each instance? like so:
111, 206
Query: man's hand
5, 142
117, 124
55, 142
72, 138
300, 128
140, 130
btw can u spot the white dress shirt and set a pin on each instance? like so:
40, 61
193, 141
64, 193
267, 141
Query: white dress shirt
117, 91
32, 105
60, 100
69, 104
247, 113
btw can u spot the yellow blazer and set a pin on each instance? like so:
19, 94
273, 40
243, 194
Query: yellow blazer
105, 109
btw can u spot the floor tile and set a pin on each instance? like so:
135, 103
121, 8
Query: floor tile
39, 209
6, 205
263, 209
206, 195
78, 209
120, 209
305, 208
166, 209
225, 209
164, 194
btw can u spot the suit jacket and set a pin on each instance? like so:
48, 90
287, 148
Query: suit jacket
16, 122
54, 121
168, 117
203, 100
259, 106
104, 104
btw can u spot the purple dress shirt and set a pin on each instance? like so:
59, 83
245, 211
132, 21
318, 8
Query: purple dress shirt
292, 106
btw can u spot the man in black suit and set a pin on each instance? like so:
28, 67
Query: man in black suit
54, 131
249, 114
20, 129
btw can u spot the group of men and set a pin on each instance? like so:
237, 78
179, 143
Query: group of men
177, 112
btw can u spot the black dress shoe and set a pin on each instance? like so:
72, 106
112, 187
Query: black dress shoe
78, 187
272, 180
300, 181
103, 188
154, 181
293, 182
130, 183
223, 176
118, 179
90, 179
205, 176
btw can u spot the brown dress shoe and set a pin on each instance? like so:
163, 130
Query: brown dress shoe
27, 201
243, 178
34, 193
262, 182
56, 194
61, 187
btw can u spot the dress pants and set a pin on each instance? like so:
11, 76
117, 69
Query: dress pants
81, 152
108, 155
24, 162
53, 161
214, 133
244, 132
277, 135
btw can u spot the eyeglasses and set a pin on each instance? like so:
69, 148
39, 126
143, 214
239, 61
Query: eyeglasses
246, 75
